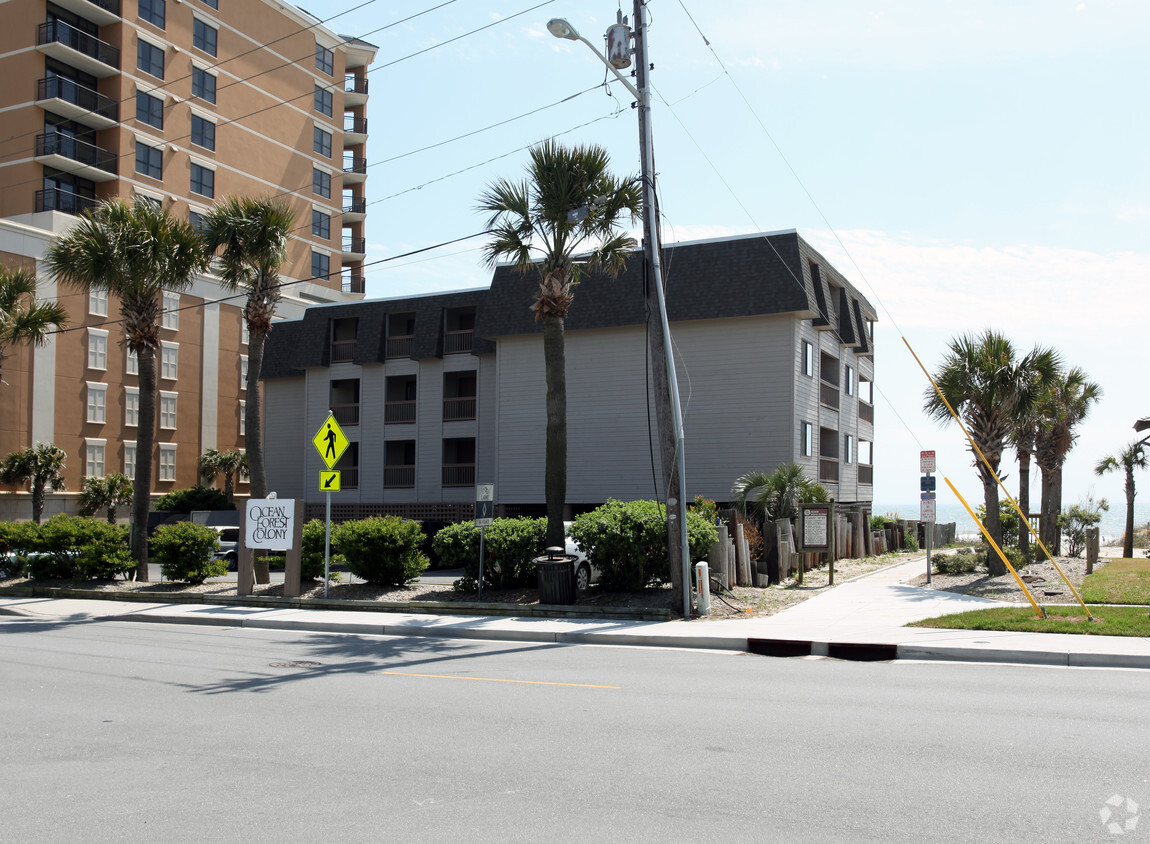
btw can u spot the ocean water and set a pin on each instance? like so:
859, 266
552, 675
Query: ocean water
1112, 525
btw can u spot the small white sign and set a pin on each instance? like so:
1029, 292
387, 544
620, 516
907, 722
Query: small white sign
928, 510
485, 492
269, 523
926, 461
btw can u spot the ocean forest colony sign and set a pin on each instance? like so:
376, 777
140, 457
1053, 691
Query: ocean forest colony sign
270, 523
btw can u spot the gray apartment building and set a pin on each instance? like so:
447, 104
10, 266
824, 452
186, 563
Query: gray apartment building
774, 355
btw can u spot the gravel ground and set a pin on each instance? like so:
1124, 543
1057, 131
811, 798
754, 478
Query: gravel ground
742, 602
1041, 578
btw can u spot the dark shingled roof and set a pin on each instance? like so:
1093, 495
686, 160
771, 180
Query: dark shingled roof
713, 279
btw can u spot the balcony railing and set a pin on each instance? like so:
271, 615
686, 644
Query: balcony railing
398, 412
355, 125
55, 199
355, 164
342, 351
357, 245
457, 342
828, 471
59, 88
349, 478
355, 84
866, 412
355, 205
457, 409
829, 395
62, 33
54, 143
346, 414
866, 475
398, 477
112, 6
400, 346
354, 284
459, 474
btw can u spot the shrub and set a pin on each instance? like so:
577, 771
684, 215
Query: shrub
311, 552
383, 550
16, 540
509, 548
194, 498
961, 563
106, 553
627, 541
186, 551
1014, 555
909, 541
75, 547
1077, 519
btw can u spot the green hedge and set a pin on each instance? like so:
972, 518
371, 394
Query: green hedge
627, 542
186, 551
194, 498
69, 548
311, 552
509, 548
382, 550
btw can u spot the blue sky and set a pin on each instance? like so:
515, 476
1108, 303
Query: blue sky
966, 164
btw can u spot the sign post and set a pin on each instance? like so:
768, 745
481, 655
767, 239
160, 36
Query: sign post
928, 511
484, 513
271, 524
817, 532
331, 442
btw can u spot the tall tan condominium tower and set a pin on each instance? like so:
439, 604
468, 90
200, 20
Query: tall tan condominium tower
183, 102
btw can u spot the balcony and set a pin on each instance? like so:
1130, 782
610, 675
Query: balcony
354, 130
866, 412
354, 169
400, 346
79, 49
354, 284
459, 474
72, 100
349, 477
346, 414
342, 351
354, 250
354, 209
76, 157
829, 395
866, 475
459, 409
354, 90
399, 412
398, 477
56, 199
457, 342
828, 471
102, 12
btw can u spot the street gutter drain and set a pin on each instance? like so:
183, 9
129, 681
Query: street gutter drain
297, 663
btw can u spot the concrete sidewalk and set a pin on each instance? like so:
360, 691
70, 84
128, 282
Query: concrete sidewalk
860, 619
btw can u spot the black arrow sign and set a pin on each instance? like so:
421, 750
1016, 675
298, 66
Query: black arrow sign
327, 484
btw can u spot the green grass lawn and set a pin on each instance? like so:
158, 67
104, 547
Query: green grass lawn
1108, 620
1124, 581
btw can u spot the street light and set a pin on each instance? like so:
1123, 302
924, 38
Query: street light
677, 501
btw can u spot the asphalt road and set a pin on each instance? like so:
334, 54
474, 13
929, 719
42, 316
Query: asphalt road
145, 732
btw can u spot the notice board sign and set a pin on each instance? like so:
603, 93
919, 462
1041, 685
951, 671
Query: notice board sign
815, 527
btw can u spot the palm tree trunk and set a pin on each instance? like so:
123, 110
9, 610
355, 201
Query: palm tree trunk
555, 470
1057, 547
37, 500
993, 525
1128, 539
253, 431
1024, 503
145, 442
1049, 511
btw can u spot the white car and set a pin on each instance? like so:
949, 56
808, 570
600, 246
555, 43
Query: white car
585, 573
229, 537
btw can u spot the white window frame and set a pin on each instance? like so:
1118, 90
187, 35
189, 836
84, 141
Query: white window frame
169, 370
130, 459
807, 358
167, 468
850, 448
98, 349
96, 403
131, 362
95, 450
243, 418
97, 302
244, 372
850, 380
172, 411
131, 407
171, 317
806, 439
245, 334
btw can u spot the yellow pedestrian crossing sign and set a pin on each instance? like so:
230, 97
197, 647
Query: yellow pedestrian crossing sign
330, 441
329, 481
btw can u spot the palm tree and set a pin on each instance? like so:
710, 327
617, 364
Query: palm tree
568, 204
43, 465
23, 317
1021, 439
1130, 458
250, 237
110, 494
1065, 405
230, 464
990, 388
775, 496
134, 252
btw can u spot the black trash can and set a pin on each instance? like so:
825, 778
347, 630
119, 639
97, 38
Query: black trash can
556, 575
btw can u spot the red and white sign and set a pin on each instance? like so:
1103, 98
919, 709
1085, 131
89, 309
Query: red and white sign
926, 461
927, 510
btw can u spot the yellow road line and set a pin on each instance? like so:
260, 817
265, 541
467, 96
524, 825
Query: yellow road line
497, 680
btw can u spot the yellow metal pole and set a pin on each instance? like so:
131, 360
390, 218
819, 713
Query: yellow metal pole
1010, 498
1041, 612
